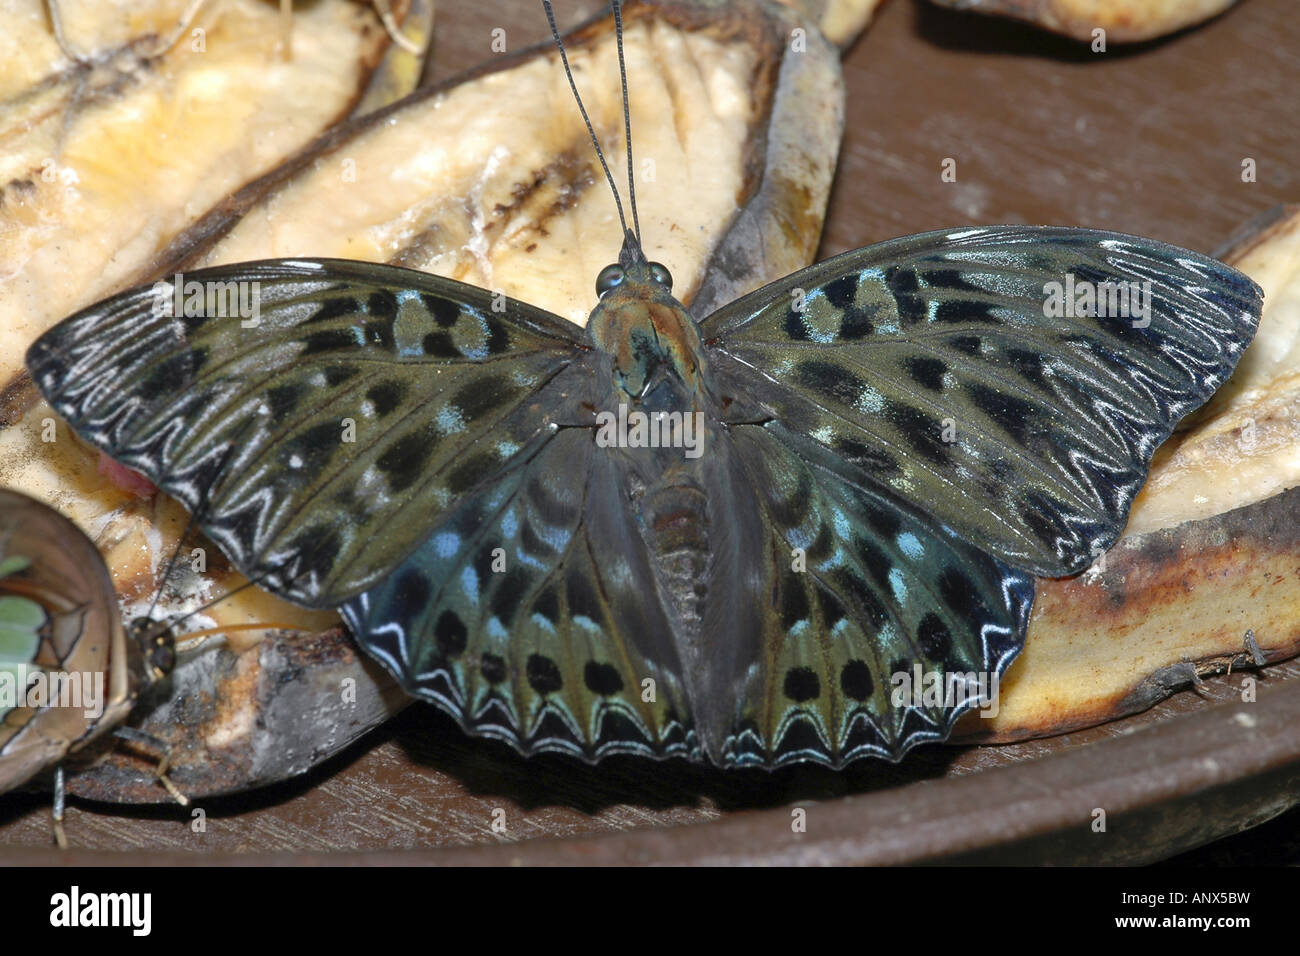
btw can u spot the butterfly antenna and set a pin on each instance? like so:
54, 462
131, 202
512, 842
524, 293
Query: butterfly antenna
591, 131
627, 118
232, 592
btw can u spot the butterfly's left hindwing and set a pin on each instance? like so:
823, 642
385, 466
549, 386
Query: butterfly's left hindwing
530, 615
319, 438
965, 372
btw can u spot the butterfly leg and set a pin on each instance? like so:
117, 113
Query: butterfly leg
131, 735
56, 811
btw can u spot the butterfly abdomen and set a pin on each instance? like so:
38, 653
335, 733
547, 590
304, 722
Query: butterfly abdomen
675, 525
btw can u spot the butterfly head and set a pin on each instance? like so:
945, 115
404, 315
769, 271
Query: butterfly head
633, 267
151, 650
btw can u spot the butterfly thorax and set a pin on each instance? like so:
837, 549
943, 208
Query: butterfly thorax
650, 337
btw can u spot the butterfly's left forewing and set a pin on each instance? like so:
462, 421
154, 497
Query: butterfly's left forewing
320, 434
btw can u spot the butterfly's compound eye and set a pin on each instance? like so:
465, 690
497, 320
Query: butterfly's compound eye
609, 277
163, 655
659, 272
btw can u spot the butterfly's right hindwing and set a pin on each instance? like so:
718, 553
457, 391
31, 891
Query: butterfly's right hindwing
879, 626
321, 438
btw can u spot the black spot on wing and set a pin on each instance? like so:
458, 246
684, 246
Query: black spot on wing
403, 462
382, 304
922, 432
795, 326
511, 586
841, 292
1017, 417
380, 332
493, 668
444, 311
169, 376
962, 310
877, 461
927, 372
582, 598
315, 549
830, 379
833, 610
959, 594
869, 608
601, 678
337, 373
934, 638
335, 305
547, 604
440, 345
483, 395
952, 280
386, 396
412, 594
1028, 365
328, 340
472, 470
884, 521
801, 685
855, 325
877, 563
794, 602
543, 674
450, 634
822, 546
855, 680
498, 338
314, 446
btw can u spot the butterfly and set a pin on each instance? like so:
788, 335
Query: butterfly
735, 539
70, 669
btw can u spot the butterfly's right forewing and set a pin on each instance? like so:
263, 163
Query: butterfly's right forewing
949, 368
